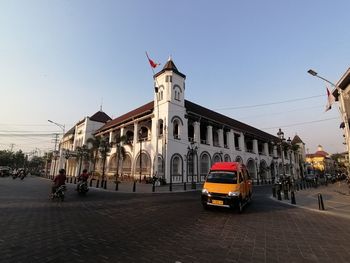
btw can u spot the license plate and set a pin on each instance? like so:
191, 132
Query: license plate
217, 202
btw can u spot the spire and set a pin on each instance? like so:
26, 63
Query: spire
170, 66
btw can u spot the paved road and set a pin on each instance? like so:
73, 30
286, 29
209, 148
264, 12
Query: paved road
164, 227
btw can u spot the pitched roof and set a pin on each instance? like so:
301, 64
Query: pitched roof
195, 109
100, 116
296, 139
170, 66
147, 108
226, 121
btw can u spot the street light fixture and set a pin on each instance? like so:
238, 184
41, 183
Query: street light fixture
192, 151
62, 126
280, 135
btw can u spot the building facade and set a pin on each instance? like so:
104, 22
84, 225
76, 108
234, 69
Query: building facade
73, 153
342, 95
178, 140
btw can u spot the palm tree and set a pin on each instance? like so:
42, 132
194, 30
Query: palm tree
95, 144
104, 149
82, 153
120, 152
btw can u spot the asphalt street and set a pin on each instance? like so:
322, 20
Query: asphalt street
108, 226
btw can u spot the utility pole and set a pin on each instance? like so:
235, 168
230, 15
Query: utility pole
55, 140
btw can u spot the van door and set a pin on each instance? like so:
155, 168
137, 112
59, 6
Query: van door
242, 185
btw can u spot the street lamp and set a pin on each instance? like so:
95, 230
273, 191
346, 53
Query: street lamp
62, 126
289, 141
104, 148
342, 108
192, 151
280, 135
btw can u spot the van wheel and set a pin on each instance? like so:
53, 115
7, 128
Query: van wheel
240, 205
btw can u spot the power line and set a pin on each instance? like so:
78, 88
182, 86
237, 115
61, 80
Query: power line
299, 123
268, 104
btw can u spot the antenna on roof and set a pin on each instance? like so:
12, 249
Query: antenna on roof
169, 58
101, 104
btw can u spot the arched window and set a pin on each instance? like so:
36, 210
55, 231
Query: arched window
112, 167
160, 167
176, 167
216, 158
126, 165
129, 137
204, 166
160, 132
176, 129
227, 158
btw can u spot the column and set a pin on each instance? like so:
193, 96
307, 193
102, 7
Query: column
196, 126
210, 135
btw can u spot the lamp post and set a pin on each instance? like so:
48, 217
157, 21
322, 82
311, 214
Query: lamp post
342, 109
289, 141
280, 135
67, 155
192, 151
61, 126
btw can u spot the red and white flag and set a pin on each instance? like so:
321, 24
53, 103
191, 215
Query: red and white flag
151, 62
330, 100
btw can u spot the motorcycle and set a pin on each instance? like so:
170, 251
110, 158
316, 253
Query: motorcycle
59, 193
82, 187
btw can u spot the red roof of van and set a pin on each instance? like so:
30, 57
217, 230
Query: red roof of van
226, 166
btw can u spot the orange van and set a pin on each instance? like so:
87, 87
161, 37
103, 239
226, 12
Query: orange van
228, 184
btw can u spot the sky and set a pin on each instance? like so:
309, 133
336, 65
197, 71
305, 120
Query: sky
62, 60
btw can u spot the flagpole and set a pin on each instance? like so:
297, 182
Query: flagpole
155, 171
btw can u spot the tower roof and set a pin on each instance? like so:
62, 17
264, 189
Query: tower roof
170, 66
296, 139
100, 116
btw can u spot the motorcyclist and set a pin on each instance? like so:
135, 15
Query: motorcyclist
59, 180
82, 178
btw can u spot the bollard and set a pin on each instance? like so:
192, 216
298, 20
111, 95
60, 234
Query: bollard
320, 202
153, 187
292, 196
91, 182
301, 185
184, 186
75, 180
71, 179
257, 181
116, 185
105, 185
297, 187
98, 183
134, 187
171, 187
273, 191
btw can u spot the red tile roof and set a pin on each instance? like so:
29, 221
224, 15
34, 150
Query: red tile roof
196, 110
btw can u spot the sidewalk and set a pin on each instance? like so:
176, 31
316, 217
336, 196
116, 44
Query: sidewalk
336, 199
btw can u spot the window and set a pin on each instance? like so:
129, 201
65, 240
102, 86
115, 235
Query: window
176, 166
204, 165
222, 177
168, 78
176, 129
160, 133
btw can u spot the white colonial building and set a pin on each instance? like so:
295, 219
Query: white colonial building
179, 140
68, 157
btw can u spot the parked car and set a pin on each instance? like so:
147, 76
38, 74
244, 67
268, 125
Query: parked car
322, 179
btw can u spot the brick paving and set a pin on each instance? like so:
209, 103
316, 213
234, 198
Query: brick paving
109, 226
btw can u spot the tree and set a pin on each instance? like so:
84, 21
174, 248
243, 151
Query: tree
104, 149
120, 152
83, 154
95, 143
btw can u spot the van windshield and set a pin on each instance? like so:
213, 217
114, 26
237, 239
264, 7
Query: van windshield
222, 177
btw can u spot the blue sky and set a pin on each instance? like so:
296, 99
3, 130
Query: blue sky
60, 59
